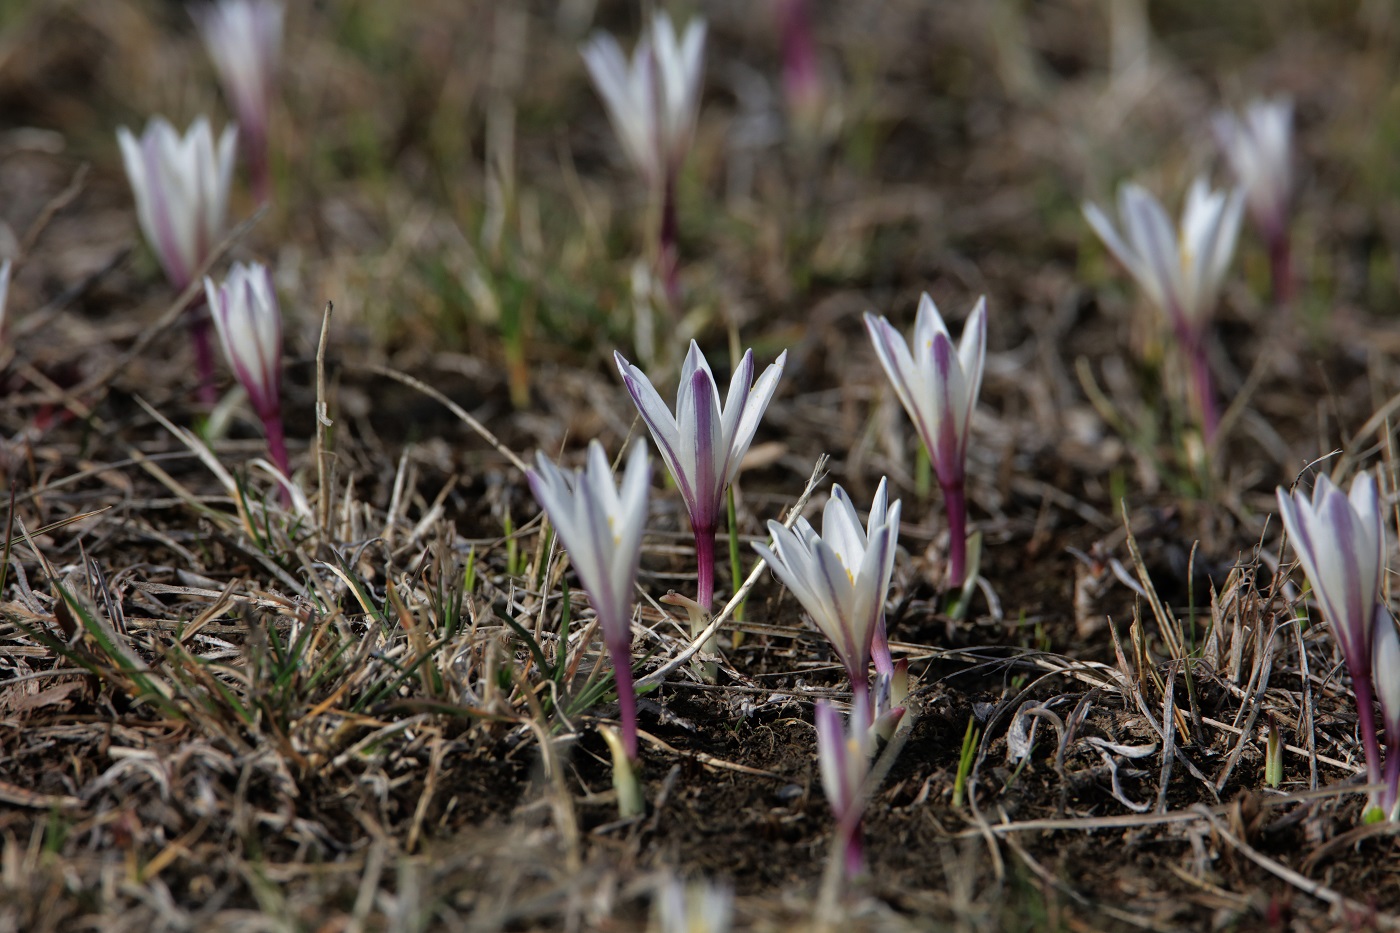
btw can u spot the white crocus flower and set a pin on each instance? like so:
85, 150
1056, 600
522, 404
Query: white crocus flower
601, 526
704, 442
244, 40
181, 184
653, 99
249, 321
842, 576
844, 758
696, 907
1181, 271
1340, 540
938, 386
1386, 668
1258, 145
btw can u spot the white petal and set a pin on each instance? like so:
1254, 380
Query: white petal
842, 530
755, 404
1149, 231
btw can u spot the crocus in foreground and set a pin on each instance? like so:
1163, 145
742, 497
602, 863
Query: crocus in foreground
1180, 274
244, 40
601, 526
1386, 648
652, 102
841, 577
1340, 540
181, 184
249, 322
695, 907
938, 387
1258, 145
704, 443
843, 756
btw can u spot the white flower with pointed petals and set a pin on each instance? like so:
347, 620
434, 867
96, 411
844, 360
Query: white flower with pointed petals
652, 101
704, 443
1340, 540
601, 526
1258, 145
244, 40
1181, 272
181, 184
697, 907
1387, 674
249, 321
841, 577
938, 386
843, 756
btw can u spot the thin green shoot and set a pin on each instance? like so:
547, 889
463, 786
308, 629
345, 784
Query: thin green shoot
469, 572
512, 547
1273, 755
146, 689
734, 564
362, 594
966, 757
56, 830
386, 688
923, 473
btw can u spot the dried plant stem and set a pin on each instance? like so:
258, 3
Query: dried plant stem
323, 421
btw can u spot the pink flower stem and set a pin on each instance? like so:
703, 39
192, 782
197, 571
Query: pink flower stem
259, 172
669, 255
955, 499
1281, 270
853, 850
1203, 387
620, 651
880, 649
860, 691
1392, 772
1365, 712
203, 350
705, 567
277, 450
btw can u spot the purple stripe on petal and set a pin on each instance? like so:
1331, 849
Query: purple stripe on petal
705, 434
